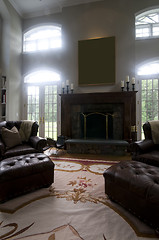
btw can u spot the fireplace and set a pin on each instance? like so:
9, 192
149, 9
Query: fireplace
97, 121
96, 125
107, 116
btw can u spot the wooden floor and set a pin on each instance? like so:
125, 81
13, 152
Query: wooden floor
63, 153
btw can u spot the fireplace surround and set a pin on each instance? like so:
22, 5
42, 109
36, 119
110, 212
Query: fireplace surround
121, 106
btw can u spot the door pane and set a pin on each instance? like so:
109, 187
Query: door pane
149, 101
33, 103
50, 111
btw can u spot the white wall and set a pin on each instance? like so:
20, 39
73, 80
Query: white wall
11, 58
100, 19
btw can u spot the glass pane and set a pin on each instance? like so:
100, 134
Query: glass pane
51, 111
150, 101
33, 103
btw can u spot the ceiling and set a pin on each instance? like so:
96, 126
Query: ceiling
33, 8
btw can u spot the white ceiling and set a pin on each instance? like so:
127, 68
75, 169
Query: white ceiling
33, 8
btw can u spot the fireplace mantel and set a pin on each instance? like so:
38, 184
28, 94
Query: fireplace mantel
128, 99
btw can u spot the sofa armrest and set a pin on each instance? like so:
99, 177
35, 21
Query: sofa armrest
142, 146
38, 142
2, 149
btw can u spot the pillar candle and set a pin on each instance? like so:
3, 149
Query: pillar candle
63, 85
133, 80
122, 83
67, 82
127, 78
71, 86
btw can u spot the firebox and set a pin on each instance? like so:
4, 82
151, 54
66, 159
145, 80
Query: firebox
97, 121
97, 125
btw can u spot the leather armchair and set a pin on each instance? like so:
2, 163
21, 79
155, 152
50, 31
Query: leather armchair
146, 150
33, 145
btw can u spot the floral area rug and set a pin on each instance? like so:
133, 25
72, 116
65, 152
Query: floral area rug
75, 207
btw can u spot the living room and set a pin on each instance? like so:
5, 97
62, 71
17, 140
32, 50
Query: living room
91, 22
80, 22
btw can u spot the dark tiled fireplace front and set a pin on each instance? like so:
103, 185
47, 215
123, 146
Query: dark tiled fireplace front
93, 121
97, 121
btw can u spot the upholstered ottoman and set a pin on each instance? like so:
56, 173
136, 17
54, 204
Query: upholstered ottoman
135, 186
25, 173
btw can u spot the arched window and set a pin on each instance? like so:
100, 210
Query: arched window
42, 76
149, 68
147, 24
42, 38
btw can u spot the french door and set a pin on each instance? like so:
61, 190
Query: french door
42, 107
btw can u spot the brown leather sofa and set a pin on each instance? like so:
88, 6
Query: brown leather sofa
146, 150
34, 143
23, 165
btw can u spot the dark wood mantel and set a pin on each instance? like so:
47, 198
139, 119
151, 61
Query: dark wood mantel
128, 99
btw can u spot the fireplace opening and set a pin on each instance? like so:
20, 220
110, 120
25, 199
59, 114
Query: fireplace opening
97, 125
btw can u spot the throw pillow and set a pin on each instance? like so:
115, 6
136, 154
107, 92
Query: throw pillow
11, 138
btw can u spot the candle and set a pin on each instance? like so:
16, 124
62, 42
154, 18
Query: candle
71, 86
67, 82
127, 78
122, 83
63, 85
133, 80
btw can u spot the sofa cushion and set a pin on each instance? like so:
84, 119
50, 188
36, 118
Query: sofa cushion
11, 137
151, 158
19, 150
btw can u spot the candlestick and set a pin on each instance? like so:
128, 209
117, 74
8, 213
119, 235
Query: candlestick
63, 87
67, 89
67, 86
133, 87
127, 87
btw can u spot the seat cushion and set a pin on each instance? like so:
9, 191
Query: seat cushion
151, 158
19, 150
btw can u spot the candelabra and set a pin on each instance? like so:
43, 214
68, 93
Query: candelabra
127, 86
133, 86
67, 89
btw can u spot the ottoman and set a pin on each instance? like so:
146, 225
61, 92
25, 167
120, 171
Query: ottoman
135, 186
25, 173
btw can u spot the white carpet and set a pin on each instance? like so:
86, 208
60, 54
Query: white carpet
74, 207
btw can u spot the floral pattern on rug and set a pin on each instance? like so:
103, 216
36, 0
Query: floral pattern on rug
80, 188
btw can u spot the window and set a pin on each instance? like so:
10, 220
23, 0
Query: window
42, 38
149, 100
41, 96
147, 24
149, 92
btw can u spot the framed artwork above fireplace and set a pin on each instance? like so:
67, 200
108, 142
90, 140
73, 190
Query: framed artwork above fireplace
96, 61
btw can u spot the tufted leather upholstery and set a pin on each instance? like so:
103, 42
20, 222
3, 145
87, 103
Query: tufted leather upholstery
24, 173
34, 144
135, 186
